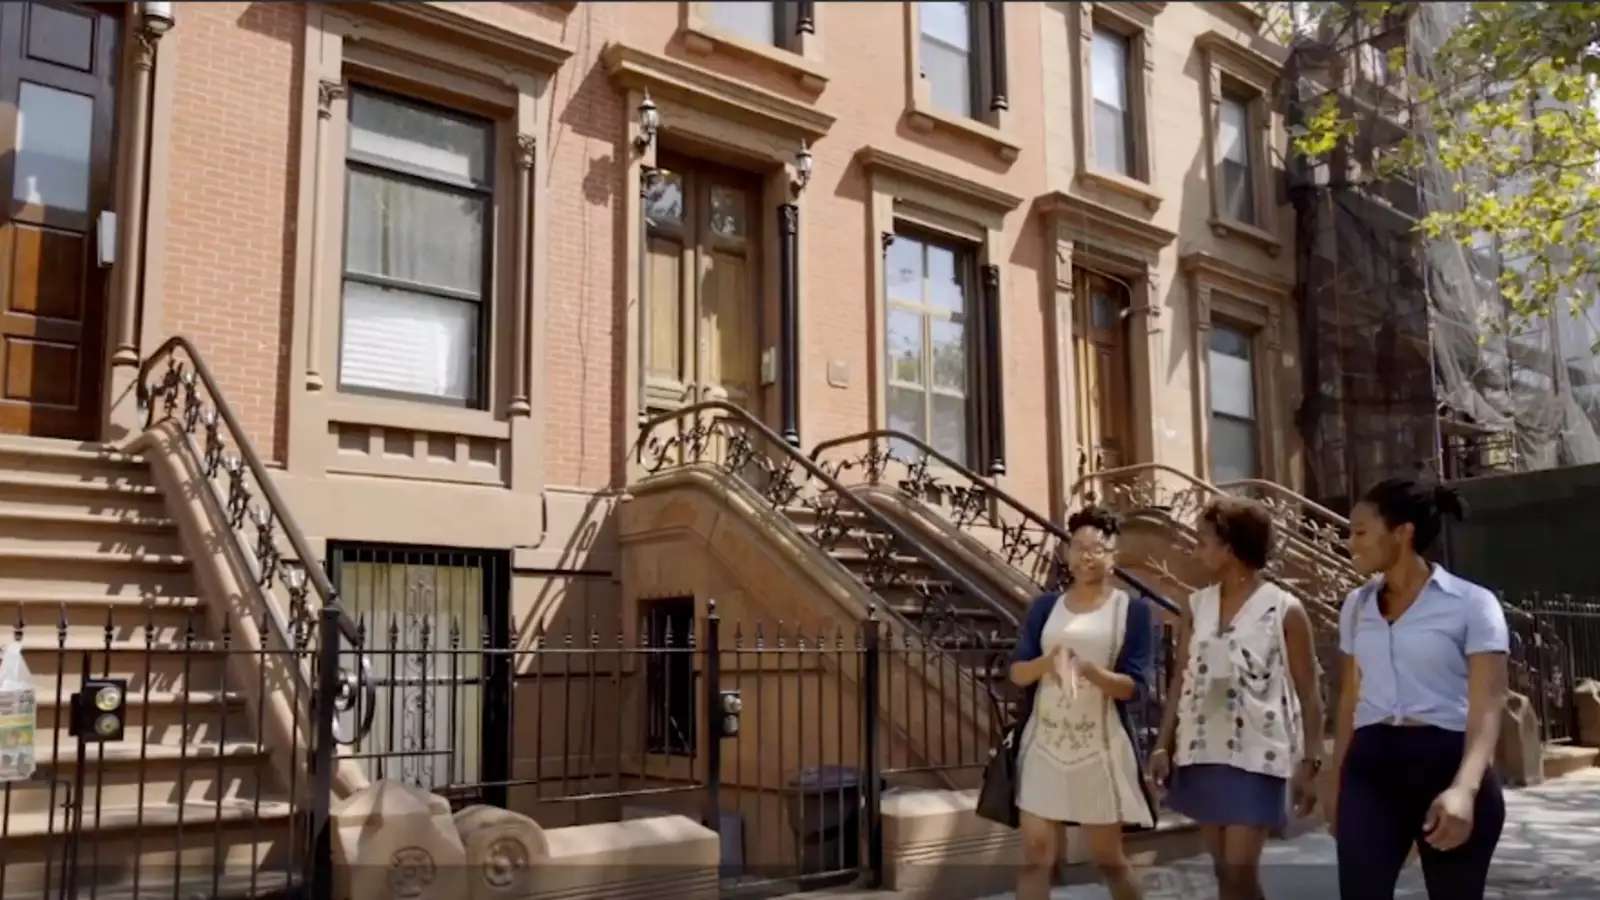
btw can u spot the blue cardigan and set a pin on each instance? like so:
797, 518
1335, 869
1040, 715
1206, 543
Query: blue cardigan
1134, 660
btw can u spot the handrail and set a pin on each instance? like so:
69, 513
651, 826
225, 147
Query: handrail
1286, 493
839, 490
1272, 486
992, 490
277, 509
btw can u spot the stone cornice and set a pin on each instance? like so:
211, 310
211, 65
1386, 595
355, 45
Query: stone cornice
1246, 61
672, 79
1109, 227
1232, 277
462, 26
876, 159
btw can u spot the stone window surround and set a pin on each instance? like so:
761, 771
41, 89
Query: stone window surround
802, 60
1137, 21
997, 134
1254, 303
904, 190
1229, 62
1081, 233
451, 57
732, 122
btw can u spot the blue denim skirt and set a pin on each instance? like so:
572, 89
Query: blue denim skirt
1213, 794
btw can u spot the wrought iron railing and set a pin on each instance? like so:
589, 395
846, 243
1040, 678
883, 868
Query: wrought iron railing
199, 764
1555, 644
720, 434
296, 599
1027, 541
1018, 536
1311, 538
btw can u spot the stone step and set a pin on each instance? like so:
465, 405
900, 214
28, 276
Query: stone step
52, 455
1564, 759
78, 531
131, 772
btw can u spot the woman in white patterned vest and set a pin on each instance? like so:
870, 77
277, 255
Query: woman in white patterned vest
1244, 670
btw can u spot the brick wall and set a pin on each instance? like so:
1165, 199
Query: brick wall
235, 143
230, 243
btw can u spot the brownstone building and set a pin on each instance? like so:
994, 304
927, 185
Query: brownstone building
442, 259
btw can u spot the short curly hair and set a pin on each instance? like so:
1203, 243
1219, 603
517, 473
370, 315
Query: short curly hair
1244, 526
1096, 517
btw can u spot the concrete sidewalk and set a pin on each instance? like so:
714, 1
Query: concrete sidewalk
1550, 850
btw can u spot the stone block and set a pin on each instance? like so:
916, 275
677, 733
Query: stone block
1586, 698
395, 840
660, 858
935, 845
1519, 757
502, 849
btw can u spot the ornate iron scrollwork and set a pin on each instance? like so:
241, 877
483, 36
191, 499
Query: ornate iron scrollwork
174, 386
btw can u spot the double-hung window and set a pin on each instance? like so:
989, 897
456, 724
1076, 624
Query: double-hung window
960, 52
770, 23
1113, 105
928, 324
419, 182
1235, 163
1235, 439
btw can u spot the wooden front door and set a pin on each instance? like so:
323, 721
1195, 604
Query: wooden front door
704, 280
1105, 373
57, 78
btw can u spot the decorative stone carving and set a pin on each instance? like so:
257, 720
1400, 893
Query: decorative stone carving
329, 91
527, 144
1586, 697
1519, 757
502, 850
394, 840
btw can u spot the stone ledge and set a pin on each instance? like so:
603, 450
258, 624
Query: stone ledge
659, 858
935, 846
1564, 759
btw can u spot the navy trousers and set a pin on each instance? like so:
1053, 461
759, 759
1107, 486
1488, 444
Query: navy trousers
1391, 776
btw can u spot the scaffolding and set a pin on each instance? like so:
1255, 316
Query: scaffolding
1411, 360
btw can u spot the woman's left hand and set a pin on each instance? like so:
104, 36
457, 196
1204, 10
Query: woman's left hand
1449, 821
1303, 791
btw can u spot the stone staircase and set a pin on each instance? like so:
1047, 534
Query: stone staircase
94, 579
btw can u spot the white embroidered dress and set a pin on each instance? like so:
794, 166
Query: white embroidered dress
1238, 707
1077, 762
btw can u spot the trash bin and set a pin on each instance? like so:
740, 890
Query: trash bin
825, 817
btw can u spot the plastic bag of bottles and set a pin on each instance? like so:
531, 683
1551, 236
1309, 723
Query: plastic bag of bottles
17, 716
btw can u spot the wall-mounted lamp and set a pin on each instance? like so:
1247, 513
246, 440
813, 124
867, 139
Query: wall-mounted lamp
802, 169
649, 121
158, 17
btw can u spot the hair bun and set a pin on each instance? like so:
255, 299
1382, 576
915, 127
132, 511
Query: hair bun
1449, 502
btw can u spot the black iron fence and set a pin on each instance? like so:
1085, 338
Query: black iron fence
781, 736
1555, 643
173, 757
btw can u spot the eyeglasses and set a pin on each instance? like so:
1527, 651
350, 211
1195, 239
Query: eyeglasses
1089, 549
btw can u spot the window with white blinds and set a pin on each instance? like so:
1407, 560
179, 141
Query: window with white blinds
418, 197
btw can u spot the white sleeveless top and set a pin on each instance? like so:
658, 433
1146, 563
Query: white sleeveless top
1238, 706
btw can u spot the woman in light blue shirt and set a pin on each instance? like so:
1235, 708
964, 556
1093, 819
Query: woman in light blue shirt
1424, 681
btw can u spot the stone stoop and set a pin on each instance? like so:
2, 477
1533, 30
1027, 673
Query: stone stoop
1564, 759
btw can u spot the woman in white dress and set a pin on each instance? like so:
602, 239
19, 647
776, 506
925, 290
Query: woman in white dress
1081, 657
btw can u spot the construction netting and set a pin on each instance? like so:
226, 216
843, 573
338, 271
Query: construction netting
1412, 361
